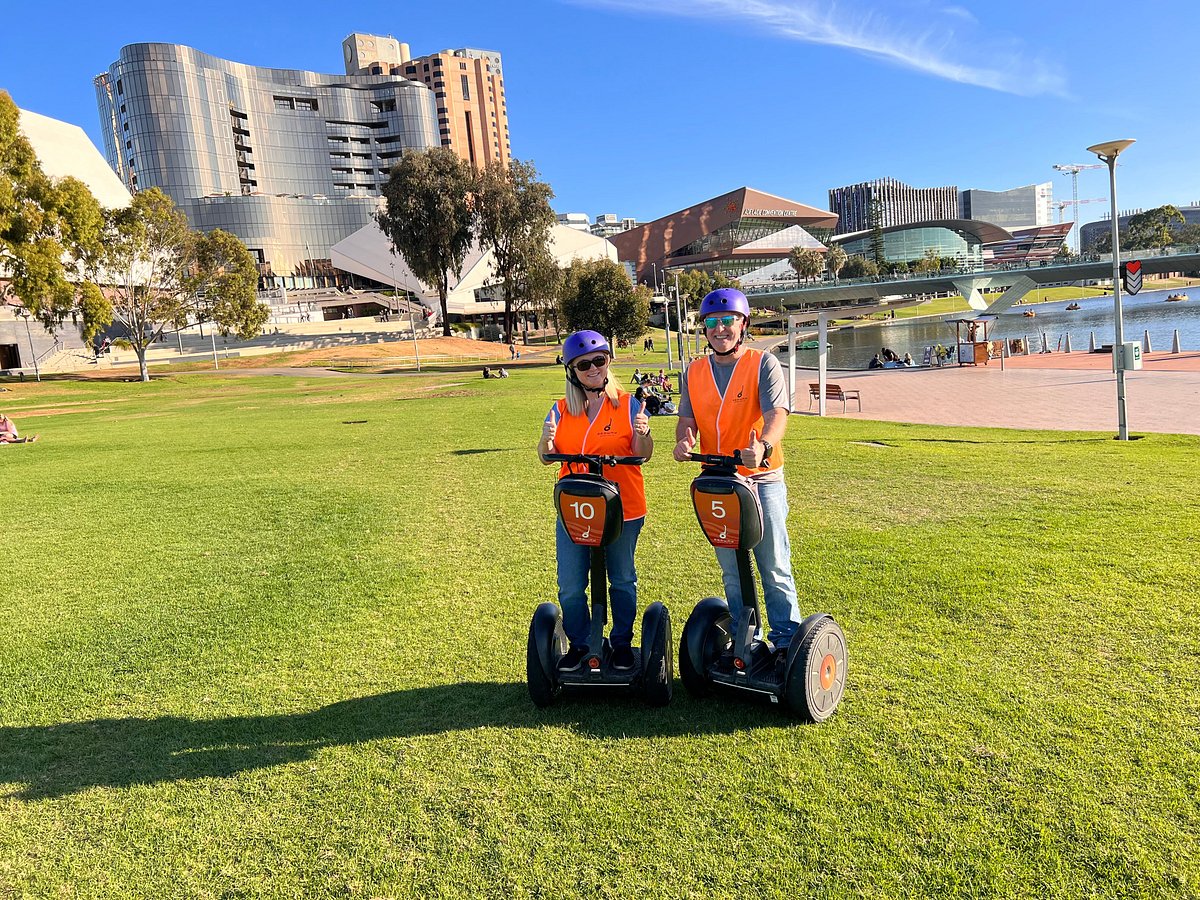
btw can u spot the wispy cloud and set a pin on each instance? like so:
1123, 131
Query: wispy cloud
942, 40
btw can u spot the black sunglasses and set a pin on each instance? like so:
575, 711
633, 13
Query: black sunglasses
584, 364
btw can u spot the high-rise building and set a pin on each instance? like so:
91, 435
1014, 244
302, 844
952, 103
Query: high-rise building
289, 161
898, 204
468, 85
576, 220
608, 224
1020, 207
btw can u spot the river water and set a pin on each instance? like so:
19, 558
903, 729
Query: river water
852, 348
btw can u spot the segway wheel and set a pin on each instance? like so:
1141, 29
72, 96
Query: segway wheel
546, 645
705, 635
658, 665
817, 676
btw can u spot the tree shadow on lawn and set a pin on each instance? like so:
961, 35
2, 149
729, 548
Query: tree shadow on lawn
56, 760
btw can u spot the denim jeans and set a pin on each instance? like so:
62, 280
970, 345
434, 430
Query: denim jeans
774, 557
574, 567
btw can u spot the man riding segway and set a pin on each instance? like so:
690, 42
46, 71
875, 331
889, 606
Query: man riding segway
735, 402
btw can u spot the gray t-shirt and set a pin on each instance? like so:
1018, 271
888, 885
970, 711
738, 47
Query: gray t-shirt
772, 394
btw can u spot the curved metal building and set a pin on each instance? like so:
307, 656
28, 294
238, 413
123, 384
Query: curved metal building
290, 161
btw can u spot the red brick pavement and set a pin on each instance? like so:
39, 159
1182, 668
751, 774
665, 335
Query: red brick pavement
1058, 391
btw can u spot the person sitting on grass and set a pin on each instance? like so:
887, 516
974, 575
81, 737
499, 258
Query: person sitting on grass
502, 372
487, 373
9, 433
596, 416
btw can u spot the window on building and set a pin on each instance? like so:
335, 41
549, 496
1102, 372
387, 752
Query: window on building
306, 103
285, 103
462, 66
466, 87
410, 70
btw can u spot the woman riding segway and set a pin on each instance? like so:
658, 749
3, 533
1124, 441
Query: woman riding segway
597, 420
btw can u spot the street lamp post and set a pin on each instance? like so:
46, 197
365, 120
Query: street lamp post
1108, 153
37, 372
411, 324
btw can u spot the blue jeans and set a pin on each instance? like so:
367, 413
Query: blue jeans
574, 567
774, 557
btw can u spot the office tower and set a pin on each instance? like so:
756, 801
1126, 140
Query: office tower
1019, 207
898, 204
290, 161
467, 84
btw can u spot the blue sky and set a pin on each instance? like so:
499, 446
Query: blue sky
640, 107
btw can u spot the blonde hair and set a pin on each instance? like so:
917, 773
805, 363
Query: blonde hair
577, 399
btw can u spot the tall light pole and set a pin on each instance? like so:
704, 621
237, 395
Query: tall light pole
412, 326
1108, 153
37, 372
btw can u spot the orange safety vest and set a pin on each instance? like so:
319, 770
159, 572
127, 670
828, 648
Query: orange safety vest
725, 422
609, 434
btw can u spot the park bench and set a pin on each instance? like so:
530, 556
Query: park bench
833, 392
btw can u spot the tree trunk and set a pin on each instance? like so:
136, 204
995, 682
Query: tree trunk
142, 367
443, 293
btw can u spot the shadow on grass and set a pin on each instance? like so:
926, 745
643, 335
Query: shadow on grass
56, 760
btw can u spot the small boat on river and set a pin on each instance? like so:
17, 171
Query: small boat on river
1074, 306
1029, 314
1175, 298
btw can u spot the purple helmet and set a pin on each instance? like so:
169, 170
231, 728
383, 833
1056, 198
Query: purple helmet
582, 342
725, 300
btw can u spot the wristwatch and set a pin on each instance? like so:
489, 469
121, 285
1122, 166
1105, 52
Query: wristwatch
768, 449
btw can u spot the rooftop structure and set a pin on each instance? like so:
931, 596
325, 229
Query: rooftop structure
736, 233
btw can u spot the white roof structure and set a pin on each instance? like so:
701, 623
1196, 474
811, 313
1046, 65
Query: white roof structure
64, 149
367, 252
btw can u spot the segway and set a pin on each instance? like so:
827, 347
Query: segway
810, 675
589, 506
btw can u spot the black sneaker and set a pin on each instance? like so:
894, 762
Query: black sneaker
573, 658
623, 659
781, 660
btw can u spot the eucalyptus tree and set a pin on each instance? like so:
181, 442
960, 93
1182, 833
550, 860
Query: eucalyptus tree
429, 217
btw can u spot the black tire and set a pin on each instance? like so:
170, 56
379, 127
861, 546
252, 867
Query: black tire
542, 653
706, 630
658, 666
817, 674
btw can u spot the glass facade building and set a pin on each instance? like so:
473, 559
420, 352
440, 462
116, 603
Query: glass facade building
956, 239
1020, 207
290, 161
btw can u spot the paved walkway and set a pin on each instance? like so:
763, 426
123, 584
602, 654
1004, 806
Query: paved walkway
1066, 392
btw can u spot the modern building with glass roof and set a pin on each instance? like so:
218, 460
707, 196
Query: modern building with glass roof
960, 239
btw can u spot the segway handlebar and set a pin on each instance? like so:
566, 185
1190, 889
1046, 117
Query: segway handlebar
593, 461
717, 460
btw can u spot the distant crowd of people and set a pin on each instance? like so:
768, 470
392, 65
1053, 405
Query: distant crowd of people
888, 358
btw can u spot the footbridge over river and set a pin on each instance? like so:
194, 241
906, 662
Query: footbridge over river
1017, 281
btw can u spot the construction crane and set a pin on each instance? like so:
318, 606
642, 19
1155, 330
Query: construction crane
1073, 169
1061, 204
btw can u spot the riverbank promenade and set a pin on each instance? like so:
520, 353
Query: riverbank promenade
1055, 391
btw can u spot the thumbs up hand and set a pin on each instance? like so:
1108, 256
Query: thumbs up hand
752, 453
549, 429
684, 447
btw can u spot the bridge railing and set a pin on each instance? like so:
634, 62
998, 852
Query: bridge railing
982, 269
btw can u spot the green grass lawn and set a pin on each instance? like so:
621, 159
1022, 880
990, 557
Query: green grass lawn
266, 637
